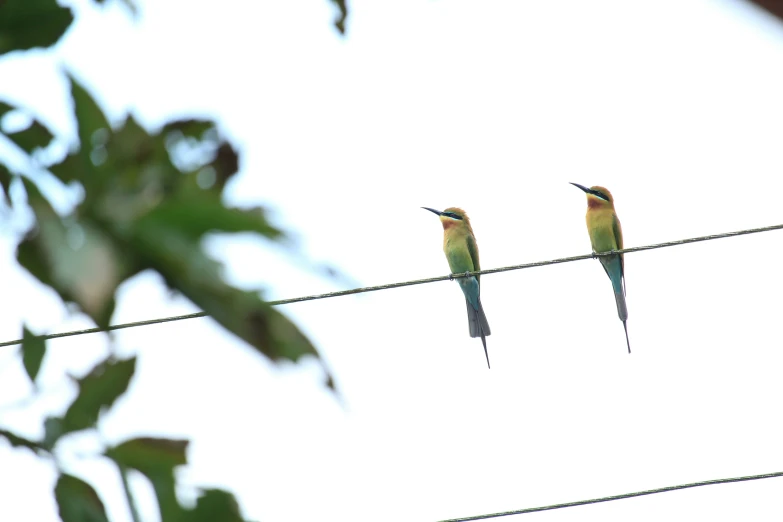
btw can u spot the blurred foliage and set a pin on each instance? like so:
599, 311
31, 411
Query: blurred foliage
149, 198
27, 24
339, 22
33, 351
78, 501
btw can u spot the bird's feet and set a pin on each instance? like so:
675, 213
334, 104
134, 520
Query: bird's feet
592, 254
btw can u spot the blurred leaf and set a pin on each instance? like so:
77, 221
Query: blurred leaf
213, 505
185, 266
89, 116
25, 24
21, 442
53, 430
141, 209
4, 107
78, 501
91, 121
97, 392
130, 4
189, 128
5, 183
155, 459
161, 212
150, 455
226, 164
69, 169
33, 137
339, 22
33, 351
197, 214
79, 261
36, 136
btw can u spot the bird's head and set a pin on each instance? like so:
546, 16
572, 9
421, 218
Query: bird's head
451, 217
597, 197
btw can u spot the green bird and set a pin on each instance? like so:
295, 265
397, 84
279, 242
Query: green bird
459, 245
606, 235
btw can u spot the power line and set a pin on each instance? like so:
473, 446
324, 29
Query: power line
411, 283
617, 497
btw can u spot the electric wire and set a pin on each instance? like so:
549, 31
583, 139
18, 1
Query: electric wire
389, 286
617, 497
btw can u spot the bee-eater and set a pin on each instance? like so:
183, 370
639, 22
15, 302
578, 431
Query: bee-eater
459, 245
606, 235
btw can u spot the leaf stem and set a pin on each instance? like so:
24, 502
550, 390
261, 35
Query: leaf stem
128, 495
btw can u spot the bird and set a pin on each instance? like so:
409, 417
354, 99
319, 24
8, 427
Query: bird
605, 232
459, 245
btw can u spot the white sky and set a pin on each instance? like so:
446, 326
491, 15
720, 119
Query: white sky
494, 106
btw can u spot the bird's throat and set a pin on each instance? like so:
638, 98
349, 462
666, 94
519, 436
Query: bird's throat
595, 203
448, 223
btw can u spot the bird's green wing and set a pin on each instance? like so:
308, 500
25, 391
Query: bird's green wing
618, 237
474, 255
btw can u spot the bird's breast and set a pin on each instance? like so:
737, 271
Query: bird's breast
601, 229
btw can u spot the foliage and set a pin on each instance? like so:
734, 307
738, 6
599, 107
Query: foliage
143, 207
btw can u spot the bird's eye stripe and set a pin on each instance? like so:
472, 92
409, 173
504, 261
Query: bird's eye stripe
452, 215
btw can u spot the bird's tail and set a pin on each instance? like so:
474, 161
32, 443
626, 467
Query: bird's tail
478, 325
625, 327
614, 271
477, 321
622, 312
486, 354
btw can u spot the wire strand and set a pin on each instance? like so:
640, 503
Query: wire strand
389, 286
616, 497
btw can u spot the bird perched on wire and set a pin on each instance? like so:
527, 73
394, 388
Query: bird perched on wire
603, 226
459, 245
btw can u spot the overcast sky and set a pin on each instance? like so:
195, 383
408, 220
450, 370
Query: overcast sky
494, 107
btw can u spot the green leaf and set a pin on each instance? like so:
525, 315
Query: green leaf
79, 261
5, 109
185, 266
226, 164
26, 24
140, 208
150, 455
97, 392
154, 209
89, 116
155, 459
194, 215
53, 430
33, 137
36, 136
191, 128
78, 501
90, 121
33, 351
21, 442
5, 183
69, 169
215, 504
339, 22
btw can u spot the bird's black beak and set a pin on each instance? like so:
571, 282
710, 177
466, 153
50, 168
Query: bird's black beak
587, 190
433, 210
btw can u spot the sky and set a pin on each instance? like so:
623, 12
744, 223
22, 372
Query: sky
494, 107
